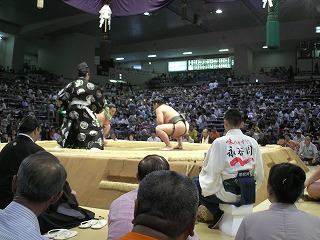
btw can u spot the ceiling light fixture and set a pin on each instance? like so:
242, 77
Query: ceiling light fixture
146, 14
187, 53
152, 56
119, 58
218, 11
224, 50
265, 47
40, 4
0, 38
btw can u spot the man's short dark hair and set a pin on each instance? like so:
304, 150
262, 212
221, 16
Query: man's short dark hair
234, 117
28, 124
111, 105
152, 163
158, 100
40, 177
281, 137
167, 201
83, 69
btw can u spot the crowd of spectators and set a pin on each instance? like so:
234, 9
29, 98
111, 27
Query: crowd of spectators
269, 110
28, 92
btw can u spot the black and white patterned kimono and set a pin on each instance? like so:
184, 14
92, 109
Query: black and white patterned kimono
81, 128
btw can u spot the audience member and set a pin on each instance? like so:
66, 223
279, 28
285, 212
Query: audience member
193, 133
14, 152
166, 207
144, 135
308, 152
262, 140
205, 137
298, 137
121, 209
153, 138
214, 134
283, 220
4, 137
11, 157
225, 158
114, 136
270, 138
285, 141
38, 184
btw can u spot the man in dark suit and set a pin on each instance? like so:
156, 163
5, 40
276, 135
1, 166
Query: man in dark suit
14, 152
11, 156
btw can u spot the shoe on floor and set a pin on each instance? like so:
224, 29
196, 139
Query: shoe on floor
216, 219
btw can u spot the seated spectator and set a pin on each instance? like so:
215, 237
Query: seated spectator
4, 138
206, 139
164, 210
114, 137
45, 134
187, 138
285, 141
282, 220
37, 185
252, 133
271, 139
193, 133
121, 209
57, 135
214, 134
131, 137
262, 140
153, 138
144, 135
298, 137
12, 135
308, 152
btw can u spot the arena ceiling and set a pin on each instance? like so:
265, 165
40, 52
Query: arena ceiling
22, 18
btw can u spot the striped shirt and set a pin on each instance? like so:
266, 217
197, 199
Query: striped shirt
19, 223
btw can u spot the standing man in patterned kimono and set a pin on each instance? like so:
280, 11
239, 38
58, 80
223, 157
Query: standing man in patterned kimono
81, 100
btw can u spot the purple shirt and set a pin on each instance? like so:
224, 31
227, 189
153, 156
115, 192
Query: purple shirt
121, 216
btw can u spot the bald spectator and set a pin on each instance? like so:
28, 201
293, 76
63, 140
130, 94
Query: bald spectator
205, 137
144, 135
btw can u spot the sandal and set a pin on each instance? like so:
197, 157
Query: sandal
100, 224
94, 223
87, 224
60, 234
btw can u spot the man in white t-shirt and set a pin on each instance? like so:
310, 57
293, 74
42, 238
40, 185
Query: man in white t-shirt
153, 138
225, 158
